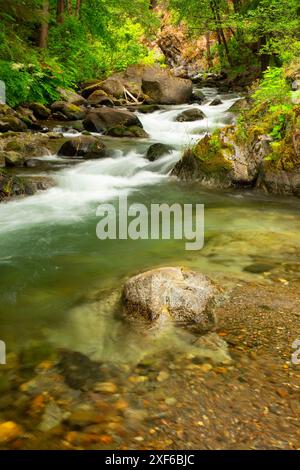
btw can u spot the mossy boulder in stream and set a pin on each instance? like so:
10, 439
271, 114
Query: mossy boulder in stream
209, 161
219, 161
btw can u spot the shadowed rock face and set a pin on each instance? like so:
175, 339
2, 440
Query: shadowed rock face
171, 293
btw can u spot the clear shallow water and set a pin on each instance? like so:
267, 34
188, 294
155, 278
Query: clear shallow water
59, 283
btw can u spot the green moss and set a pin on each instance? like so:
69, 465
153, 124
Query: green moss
214, 154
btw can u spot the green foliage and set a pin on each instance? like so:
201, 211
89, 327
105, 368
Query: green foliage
106, 37
273, 88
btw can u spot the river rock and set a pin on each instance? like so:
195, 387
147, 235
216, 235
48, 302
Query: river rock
11, 186
6, 110
182, 296
167, 89
148, 108
239, 105
218, 161
39, 110
103, 119
216, 102
12, 123
9, 431
198, 97
70, 111
86, 147
131, 131
279, 180
151, 83
99, 97
13, 159
72, 97
155, 151
191, 115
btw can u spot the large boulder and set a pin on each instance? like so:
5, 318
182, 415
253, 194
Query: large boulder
152, 84
70, 111
156, 151
218, 161
181, 296
86, 147
167, 89
190, 115
103, 119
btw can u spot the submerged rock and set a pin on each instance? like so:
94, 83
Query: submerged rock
78, 370
87, 147
191, 115
182, 296
155, 151
214, 348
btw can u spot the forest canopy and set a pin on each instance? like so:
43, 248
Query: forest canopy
46, 44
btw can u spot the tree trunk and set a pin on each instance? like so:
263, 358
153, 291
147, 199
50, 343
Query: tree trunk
69, 7
78, 6
220, 32
44, 30
264, 58
208, 51
60, 11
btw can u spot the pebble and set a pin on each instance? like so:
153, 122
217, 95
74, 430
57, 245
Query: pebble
9, 431
162, 376
105, 387
170, 401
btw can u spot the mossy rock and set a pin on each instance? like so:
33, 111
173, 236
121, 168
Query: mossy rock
70, 111
214, 155
148, 108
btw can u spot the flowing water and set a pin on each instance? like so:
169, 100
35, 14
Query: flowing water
58, 280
